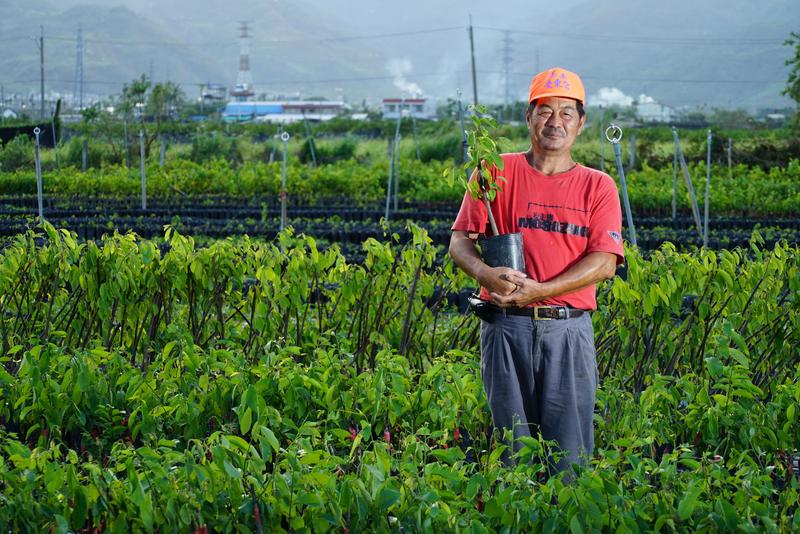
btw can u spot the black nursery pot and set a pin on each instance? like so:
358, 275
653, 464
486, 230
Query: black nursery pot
504, 250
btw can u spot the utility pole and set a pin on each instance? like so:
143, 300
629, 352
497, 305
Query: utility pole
472, 54
40, 43
78, 88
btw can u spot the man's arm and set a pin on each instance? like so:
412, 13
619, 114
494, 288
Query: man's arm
466, 257
595, 267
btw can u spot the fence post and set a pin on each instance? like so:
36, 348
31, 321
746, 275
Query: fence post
84, 155
389, 181
285, 138
38, 163
414, 133
162, 153
144, 176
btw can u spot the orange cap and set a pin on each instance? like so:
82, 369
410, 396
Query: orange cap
557, 82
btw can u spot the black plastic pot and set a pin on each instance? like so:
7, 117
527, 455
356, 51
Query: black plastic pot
504, 250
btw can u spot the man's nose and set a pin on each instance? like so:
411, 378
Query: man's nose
554, 120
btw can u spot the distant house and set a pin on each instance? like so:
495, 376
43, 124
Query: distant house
654, 112
213, 94
9, 114
419, 108
283, 112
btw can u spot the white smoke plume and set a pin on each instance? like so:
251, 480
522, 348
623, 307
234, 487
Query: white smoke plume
399, 68
610, 96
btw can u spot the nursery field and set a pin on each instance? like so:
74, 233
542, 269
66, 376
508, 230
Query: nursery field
188, 366
246, 386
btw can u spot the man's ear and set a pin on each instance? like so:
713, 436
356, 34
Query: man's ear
581, 123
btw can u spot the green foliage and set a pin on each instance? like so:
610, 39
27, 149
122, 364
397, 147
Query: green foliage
246, 386
442, 148
17, 154
327, 152
792, 89
74, 155
209, 147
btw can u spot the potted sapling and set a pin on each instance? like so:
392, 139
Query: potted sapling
497, 250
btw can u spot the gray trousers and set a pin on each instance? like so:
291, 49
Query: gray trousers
542, 376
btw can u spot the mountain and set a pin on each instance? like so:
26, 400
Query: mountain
717, 53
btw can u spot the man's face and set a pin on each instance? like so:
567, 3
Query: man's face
554, 124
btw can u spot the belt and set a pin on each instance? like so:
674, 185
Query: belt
542, 313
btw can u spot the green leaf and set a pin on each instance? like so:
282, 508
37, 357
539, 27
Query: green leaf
689, 501
245, 420
232, 471
387, 498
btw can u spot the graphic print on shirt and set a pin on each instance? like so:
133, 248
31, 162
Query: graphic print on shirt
556, 219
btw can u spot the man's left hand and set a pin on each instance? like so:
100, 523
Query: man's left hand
527, 291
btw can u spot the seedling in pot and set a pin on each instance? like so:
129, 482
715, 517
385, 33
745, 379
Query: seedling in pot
483, 153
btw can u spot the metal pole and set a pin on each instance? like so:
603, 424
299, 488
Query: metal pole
395, 165
614, 135
389, 181
675, 182
144, 176
162, 153
38, 162
84, 155
414, 133
472, 55
285, 138
688, 179
708, 187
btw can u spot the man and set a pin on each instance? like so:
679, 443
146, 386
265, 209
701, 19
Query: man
537, 344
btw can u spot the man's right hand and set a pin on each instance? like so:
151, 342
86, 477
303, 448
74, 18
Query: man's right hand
465, 255
495, 279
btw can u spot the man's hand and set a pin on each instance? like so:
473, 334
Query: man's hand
526, 291
501, 280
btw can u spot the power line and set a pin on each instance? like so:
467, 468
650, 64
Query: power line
722, 41
280, 82
645, 80
259, 43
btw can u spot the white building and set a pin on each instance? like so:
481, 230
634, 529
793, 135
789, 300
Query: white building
283, 112
654, 112
419, 108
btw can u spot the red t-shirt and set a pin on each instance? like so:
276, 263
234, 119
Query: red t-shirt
562, 218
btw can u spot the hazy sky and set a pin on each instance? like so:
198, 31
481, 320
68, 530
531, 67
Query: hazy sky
683, 52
